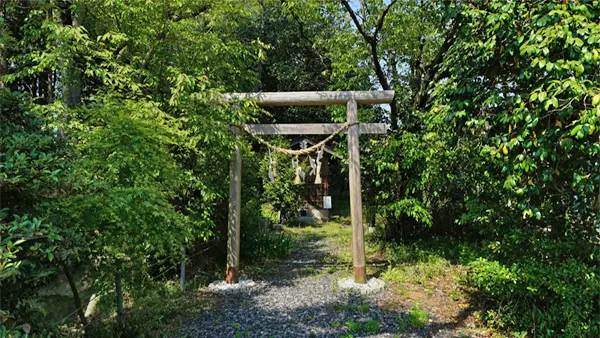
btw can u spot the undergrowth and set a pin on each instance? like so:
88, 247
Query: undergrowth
158, 311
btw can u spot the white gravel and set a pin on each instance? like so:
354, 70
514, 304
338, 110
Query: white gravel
221, 286
373, 285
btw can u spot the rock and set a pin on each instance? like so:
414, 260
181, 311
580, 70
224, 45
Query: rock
222, 286
373, 285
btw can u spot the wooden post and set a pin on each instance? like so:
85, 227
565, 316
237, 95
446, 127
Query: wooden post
358, 243
182, 270
235, 201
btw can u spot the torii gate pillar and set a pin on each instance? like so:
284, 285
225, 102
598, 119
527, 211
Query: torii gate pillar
358, 242
235, 202
351, 99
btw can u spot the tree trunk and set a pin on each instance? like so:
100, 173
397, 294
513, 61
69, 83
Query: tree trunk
3, 52
71, 77
120, 311
393, 115
76, 298
50, 89
182, 270
261, 38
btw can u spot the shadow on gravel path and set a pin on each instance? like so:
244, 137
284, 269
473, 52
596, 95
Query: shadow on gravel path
300, 298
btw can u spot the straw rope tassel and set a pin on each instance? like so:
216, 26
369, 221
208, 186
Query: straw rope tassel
319, 147
319, 162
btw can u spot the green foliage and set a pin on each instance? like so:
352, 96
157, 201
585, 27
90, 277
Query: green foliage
372, 326
356, 308
282, 194
118, 153
353, 326
158, 309
31, 173
519, 111
260, 243
413, 264
128, 176
417, 317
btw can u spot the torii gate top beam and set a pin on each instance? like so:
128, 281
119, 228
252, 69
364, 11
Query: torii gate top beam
266, 99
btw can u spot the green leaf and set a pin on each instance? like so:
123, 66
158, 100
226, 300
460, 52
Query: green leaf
579, 69
533, 96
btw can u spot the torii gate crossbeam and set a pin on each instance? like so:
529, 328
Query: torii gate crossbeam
351, 99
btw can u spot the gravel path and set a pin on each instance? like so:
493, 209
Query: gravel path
294, 303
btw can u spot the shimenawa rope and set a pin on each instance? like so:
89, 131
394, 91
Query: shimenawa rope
291, 152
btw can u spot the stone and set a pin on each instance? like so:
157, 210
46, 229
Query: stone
221, 286
373, 285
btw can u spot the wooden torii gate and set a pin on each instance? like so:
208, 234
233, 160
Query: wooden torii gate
351, 99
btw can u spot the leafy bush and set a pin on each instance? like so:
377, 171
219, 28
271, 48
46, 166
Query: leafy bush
510, 147
557, 296
154, 311
282, 194
527, 137
258, 241
32, 163
417, 317
261, 243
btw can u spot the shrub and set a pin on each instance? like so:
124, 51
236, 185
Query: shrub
33, 165
417, 317
543, 296
259, 242
282, 194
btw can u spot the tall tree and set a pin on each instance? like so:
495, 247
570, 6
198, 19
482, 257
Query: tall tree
405, 42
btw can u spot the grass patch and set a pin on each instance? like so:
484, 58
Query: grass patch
413, 264
353, 326
417, 317
418, 273
372, 326
267, 268
156, 312
338, 234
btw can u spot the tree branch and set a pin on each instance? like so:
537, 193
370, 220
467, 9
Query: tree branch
176, 17
431, 70
382, 18
372, 42
350, 11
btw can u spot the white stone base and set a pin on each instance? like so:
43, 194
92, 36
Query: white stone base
373, 285
222, 286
